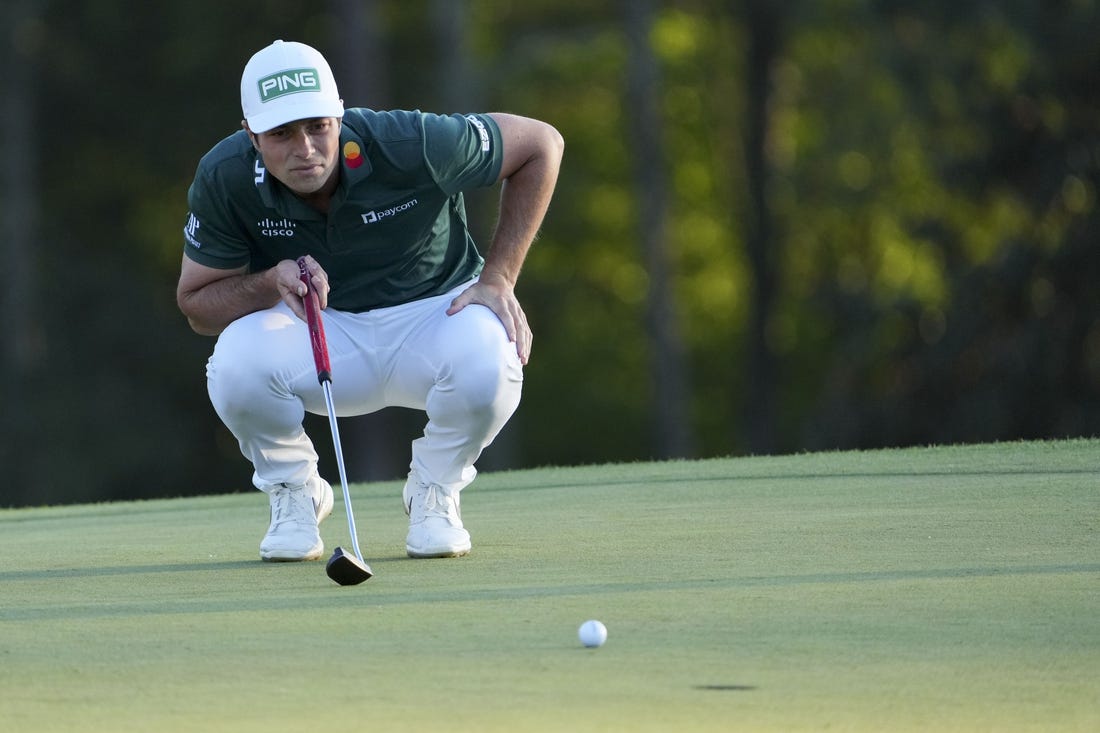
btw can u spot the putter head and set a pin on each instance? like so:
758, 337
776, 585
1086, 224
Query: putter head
347, 569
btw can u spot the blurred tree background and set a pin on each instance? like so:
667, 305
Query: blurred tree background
780, 226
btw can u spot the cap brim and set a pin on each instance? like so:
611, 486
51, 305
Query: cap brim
284, 113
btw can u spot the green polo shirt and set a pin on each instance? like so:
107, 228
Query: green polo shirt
396, 230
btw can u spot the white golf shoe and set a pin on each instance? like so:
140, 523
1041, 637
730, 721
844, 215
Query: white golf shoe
435, 524
296, 512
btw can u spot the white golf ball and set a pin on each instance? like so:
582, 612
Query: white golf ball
592, 633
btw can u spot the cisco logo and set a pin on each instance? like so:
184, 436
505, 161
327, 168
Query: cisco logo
280, 228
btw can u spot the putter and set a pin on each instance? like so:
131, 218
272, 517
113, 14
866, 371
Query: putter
345, 569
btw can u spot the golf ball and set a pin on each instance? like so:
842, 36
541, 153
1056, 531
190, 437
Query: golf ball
592, 633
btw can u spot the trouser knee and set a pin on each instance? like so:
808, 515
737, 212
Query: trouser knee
249, 376
484, 392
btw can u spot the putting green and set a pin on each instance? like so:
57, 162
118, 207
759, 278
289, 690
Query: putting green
945, 589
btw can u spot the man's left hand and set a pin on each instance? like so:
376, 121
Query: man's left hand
496, 294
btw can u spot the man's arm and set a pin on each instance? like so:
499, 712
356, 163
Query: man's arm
532, 157
212, 298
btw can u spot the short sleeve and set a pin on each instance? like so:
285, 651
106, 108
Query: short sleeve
209, 236
462, 151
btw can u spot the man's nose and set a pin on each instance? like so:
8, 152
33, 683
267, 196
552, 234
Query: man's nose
301, 143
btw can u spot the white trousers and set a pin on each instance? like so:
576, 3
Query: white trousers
460, 369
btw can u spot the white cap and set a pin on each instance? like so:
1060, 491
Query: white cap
286, 82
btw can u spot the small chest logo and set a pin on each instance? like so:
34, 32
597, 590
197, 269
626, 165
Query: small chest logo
373, 217
353, 154
280, 228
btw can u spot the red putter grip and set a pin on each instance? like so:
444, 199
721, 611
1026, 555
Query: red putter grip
316, 327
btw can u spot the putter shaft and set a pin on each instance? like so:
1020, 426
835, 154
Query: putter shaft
326, 386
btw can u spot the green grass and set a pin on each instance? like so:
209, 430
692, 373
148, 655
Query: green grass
936, 589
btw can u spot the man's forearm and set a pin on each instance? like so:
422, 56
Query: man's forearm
215, 305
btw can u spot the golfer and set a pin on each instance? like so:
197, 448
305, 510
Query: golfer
414, 315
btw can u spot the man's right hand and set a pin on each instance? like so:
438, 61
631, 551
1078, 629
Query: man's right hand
288, 280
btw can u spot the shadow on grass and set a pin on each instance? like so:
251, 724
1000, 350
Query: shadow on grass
105, 571
325, 594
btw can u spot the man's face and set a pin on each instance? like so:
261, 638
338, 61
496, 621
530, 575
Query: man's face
302, 154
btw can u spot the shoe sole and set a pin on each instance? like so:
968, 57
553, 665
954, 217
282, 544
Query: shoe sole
278, 556
444, 552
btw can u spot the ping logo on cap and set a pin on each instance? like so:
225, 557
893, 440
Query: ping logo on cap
290, 81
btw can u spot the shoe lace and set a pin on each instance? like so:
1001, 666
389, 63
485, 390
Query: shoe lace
439, 504
290, 505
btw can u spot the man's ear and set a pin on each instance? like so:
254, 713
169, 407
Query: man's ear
251, 135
